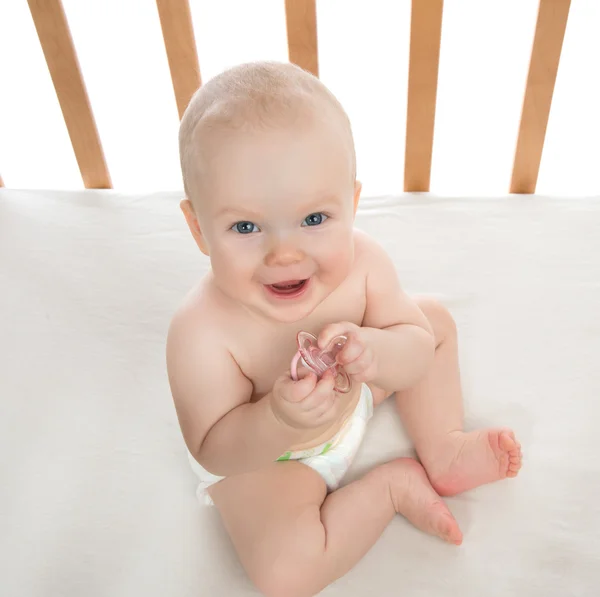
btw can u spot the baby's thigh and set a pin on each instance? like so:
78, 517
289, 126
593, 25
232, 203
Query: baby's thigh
379, 394
272, 516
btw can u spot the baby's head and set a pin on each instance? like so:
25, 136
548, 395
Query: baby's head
269, 172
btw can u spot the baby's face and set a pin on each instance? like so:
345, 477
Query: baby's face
278, 218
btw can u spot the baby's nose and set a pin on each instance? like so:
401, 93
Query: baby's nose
283, 254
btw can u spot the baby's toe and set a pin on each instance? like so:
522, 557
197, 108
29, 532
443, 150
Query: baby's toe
507, 441
514, 464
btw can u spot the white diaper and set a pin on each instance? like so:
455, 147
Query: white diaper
331, 460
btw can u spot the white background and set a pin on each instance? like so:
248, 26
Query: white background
363, 47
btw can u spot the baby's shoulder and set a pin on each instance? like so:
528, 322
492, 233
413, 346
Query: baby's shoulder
198, 320
368, 253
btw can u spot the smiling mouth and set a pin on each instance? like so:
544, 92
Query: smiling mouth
288, 288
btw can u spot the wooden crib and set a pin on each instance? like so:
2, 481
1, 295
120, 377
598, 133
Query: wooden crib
301, 18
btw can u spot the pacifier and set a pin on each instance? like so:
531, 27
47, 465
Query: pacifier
318, 361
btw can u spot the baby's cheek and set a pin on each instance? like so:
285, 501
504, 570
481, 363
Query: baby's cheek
231, 265
339, 261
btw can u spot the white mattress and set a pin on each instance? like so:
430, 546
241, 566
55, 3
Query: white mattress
96, 494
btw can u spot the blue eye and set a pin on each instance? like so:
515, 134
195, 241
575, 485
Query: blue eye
314, 219
245, 227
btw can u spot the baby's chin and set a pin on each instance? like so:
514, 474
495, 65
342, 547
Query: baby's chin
285, 314
294, 313
293, 316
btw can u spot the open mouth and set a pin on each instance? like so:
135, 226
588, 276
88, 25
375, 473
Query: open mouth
288, 288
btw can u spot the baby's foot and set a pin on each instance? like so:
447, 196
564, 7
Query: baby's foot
468, 460
415, 499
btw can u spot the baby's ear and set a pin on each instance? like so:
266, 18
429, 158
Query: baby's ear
192, 221
357, 190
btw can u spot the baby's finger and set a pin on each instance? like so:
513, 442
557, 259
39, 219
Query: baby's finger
353, 349
329, 332
296, 391
322, 390
325, 410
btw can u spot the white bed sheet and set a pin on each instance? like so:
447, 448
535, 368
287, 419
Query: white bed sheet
97, 497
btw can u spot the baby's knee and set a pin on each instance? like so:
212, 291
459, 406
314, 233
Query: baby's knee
285, 577
275, 584
439, 316
291, 567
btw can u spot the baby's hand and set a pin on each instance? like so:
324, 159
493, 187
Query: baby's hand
307, 403
356, 357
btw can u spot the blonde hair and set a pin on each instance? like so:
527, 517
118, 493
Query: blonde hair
253, 95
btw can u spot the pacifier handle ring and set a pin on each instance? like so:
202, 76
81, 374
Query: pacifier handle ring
294, 365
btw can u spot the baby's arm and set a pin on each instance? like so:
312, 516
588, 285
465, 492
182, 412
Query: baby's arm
394, 326
223, 430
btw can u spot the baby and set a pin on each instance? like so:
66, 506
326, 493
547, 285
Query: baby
269, 172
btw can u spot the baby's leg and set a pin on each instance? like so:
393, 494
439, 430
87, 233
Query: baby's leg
293, 540
432, 413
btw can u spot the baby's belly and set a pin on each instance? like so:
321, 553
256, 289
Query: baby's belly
322, 435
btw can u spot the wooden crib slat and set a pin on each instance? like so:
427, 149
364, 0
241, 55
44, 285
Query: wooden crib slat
180, 44
301, 22
425, 37
543, 67
57, 44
